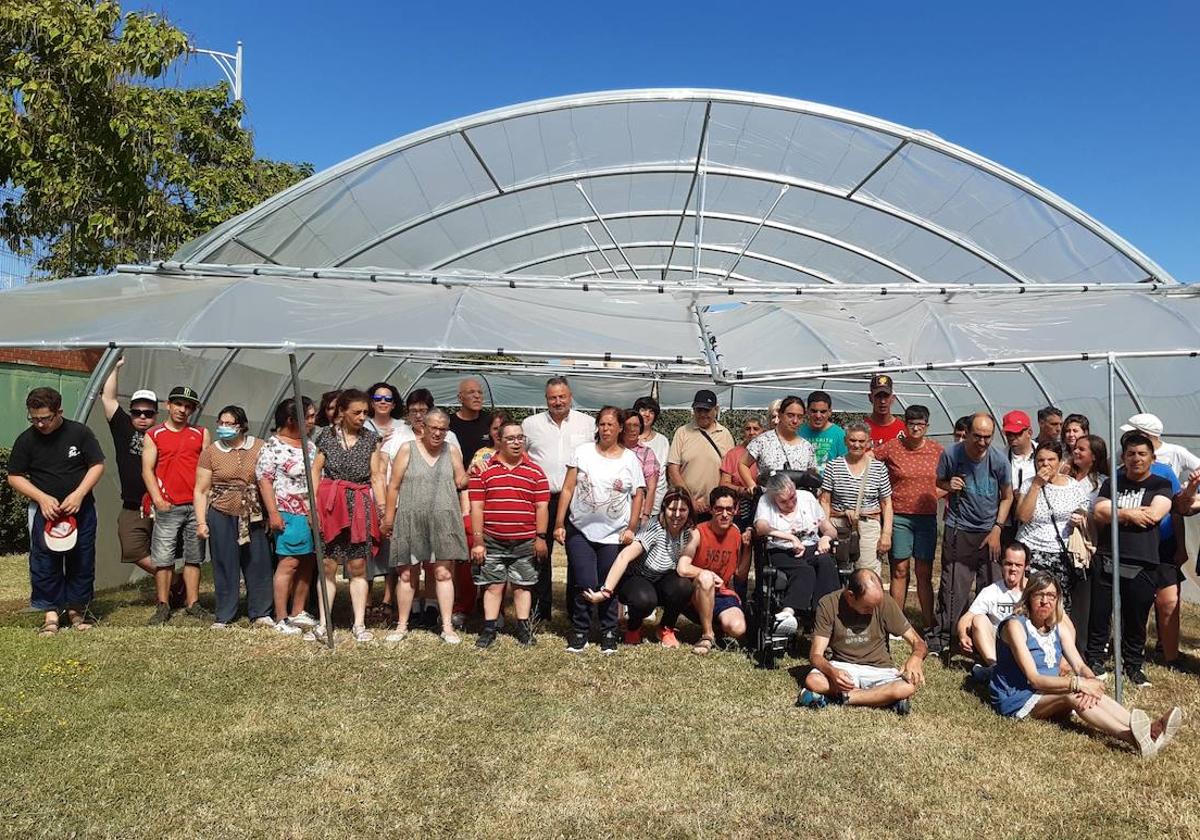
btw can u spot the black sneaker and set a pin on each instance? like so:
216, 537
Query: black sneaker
1099, 669
525, 633
1176, 665
1138, 677
431, 618
162, 614
901, 707
577, 643
199, 613
608, 642
487, 638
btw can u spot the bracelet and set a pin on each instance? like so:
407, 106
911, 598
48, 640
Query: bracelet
606, 592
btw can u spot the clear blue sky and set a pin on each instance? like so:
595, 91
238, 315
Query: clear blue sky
1099, 101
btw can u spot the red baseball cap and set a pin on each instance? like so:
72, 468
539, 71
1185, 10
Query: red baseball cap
61, 534
1016, 422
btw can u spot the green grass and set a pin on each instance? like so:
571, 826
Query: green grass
131, 731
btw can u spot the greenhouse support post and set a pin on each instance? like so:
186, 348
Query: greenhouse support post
1118, 664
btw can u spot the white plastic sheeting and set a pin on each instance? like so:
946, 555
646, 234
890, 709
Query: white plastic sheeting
610, 184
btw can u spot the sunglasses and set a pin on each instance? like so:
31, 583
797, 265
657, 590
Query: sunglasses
383, 398
143, 412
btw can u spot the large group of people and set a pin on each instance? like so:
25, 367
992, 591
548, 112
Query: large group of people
459, 510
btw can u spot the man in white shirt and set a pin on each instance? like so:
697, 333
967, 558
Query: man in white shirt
993, 604
550, 438
1018, 433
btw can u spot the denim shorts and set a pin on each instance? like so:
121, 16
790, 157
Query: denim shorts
174, 528
914, 535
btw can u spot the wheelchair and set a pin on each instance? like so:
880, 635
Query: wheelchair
766, 598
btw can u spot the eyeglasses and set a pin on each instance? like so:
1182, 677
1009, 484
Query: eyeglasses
383, 398
41, 421
916, 424
514, 438
143, 412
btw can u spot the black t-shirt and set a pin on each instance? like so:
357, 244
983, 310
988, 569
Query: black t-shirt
127, 441
56, 463
472, 434
1139, 546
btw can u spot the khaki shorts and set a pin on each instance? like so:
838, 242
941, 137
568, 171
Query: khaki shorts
134, 531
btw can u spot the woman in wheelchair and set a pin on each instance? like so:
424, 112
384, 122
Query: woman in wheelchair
799, 536
643, 576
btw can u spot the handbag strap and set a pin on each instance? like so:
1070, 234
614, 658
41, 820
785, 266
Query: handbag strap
711, 442
1054, 521
862, 490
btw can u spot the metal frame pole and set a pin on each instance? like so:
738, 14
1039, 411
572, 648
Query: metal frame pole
1118, 664
313, 515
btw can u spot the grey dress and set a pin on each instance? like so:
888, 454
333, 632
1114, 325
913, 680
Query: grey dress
429, 523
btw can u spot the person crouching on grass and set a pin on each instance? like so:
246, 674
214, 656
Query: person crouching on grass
849, 653
1028, 680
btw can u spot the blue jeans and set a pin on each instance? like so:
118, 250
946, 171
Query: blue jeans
588, 564
231, 562
61, 579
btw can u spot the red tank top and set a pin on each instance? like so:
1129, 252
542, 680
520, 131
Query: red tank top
178, 454
719, 556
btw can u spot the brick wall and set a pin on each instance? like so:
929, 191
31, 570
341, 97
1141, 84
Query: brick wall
80, 361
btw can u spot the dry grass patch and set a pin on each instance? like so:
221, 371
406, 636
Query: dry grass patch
131, 731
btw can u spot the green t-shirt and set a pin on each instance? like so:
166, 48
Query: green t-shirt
829, 443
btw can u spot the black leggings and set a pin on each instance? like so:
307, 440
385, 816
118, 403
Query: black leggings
642, 596
810, 577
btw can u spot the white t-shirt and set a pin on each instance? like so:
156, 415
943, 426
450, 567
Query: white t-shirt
1038, 533
603, 499
659, 445
1177, 458
550, 444
996, 602
803, 520
1023, 469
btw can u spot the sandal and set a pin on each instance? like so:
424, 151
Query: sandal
703, 646
79, 622
48, 629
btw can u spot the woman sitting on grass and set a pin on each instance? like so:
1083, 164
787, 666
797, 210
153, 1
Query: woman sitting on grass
643, 576
1028, 679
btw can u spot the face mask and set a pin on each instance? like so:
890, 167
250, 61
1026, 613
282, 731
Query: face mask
227, 433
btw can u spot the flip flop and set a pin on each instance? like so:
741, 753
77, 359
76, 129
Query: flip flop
702, 647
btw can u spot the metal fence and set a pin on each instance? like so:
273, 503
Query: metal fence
15, 270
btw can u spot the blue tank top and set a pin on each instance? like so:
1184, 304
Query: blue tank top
1009, 688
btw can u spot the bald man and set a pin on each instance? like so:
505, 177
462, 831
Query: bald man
978, 480
849, 654
471, 424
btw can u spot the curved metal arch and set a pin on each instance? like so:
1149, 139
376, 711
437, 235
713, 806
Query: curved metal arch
739, 218
268, 416
1123, 375
695, 95
724, 249
1037, 380
680, 169
215, 379
707, 272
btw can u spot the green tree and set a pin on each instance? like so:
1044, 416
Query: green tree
108, 167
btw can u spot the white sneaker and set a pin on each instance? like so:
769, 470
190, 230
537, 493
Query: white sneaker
303, 619
1139, 724
396, 635
785, 624
361, 633
316, 634
287, 628
263, 621
218, 625
1173, 722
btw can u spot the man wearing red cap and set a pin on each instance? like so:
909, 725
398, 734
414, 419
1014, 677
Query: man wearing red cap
1018, 432
55, 464
883, 424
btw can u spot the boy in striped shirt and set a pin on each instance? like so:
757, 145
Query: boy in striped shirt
510, 501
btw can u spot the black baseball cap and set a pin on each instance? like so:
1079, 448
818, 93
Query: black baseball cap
704, 399
184, 393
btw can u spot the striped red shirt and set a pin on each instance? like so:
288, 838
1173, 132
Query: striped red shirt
510, 497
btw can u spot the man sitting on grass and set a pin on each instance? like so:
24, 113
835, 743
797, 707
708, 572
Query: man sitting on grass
993, 604
714, 556
849, 654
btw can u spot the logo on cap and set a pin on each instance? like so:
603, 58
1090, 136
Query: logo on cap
61, 534
1015, 422
183, 392
881, 382
704, 399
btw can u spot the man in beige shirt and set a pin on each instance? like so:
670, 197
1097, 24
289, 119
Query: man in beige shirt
694, 459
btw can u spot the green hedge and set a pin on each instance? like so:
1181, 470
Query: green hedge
14, 537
